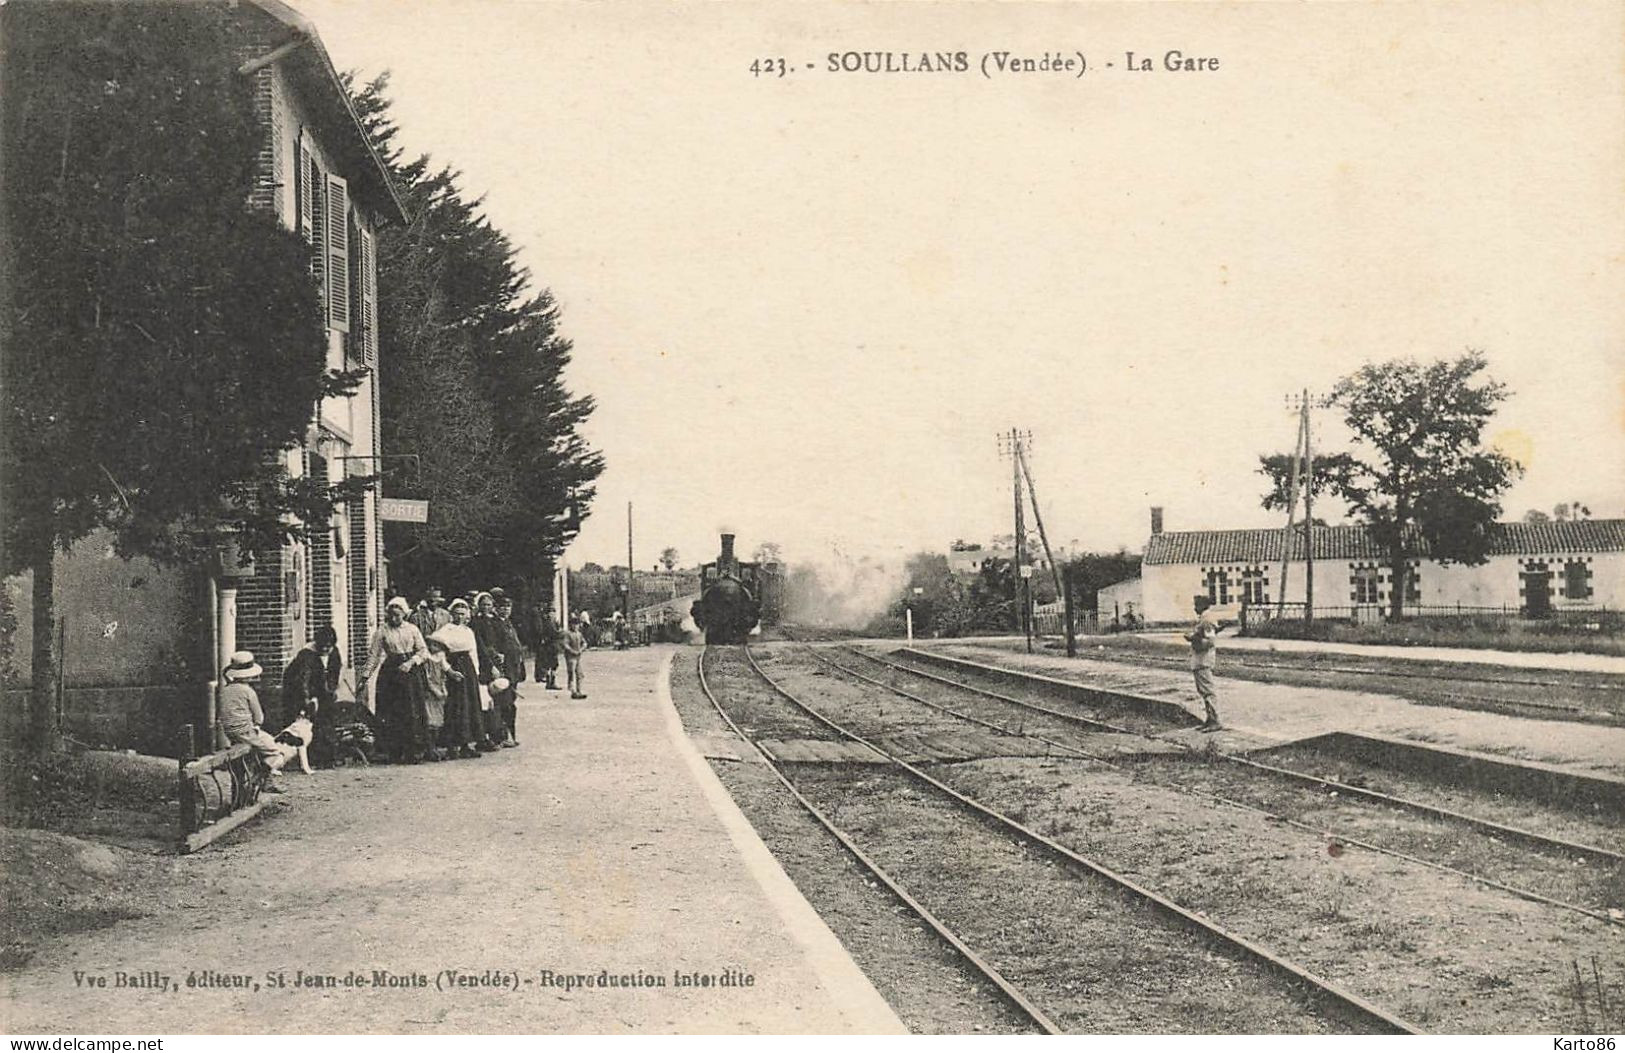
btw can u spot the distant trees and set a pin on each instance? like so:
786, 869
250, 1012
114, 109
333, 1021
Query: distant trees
940, 606
1560, 513
768, 552
1419, 467
473, 384
668, 559
163, 341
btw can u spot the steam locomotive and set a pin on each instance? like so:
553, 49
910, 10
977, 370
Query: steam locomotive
735, 596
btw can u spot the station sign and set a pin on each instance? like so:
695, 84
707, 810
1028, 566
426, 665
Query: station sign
403, 510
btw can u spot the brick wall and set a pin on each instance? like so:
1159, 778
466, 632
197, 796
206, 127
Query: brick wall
263, 626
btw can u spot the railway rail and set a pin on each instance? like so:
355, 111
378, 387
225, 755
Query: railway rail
1340, 1002
1348, 789
1014, 997
1092, 724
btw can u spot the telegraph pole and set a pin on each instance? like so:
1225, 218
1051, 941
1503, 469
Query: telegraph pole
1291, 514
1305, 449
1010, 445
1038, 518
626, 606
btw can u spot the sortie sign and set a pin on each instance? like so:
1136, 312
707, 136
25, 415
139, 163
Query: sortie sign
403, 510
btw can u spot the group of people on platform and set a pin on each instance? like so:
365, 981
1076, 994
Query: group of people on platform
443, 681
447, 677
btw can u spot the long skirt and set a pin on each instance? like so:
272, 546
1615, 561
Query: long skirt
401, 710
462, 726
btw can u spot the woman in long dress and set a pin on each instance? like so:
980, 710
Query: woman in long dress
462, 732
396, 651
488, 635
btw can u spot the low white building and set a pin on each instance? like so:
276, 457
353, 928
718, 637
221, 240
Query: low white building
1533, 569
1122, 603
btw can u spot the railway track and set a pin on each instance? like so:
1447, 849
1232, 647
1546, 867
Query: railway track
1015, 999
1328, 998
1566, 848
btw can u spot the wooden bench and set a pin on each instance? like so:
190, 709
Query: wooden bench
219, 792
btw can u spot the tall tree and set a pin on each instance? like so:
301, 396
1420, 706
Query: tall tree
163, 341
1093, 571
473, 384
668, 559
1419, 474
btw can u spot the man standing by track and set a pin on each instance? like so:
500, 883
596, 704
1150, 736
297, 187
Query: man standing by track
1203, 639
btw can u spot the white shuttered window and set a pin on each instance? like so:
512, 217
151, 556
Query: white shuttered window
338, 254
369, 298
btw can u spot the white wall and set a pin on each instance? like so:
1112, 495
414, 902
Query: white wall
1168, 589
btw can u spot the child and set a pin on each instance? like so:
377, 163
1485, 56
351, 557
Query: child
437, 670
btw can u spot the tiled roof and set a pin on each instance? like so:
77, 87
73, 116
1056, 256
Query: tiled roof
1352, 542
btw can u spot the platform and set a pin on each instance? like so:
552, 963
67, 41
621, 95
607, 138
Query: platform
1566, 661
603, 849
1273, 713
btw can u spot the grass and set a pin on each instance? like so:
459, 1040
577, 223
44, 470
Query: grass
1489, 632
1596, 1000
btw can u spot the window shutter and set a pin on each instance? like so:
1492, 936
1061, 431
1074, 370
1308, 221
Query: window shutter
369, 298
307, 192
338, 254
315, 179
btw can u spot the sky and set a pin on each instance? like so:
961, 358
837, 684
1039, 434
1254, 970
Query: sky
807, 305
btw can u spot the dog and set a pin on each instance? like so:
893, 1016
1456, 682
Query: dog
297, 736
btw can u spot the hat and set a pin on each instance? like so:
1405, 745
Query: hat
399, 603
499, 594
500, 684
242, 667
458, 602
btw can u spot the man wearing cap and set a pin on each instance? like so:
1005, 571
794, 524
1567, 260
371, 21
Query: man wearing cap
241, 715
431, 613
572, 645
513, 668
1204, 646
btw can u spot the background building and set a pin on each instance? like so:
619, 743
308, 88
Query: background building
1533, 569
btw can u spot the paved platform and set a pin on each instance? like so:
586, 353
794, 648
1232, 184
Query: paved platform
1271, 713
603, 849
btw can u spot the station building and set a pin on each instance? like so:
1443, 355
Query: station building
1533, 569
143, 643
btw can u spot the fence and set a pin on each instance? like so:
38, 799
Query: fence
1053, 623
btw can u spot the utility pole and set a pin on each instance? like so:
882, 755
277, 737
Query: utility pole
1291, 514
626, 605
1010, 446
1032, 494
1305, 449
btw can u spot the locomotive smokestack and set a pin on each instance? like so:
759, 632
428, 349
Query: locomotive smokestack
727, 548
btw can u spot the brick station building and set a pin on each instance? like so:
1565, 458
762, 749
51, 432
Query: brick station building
143, 643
